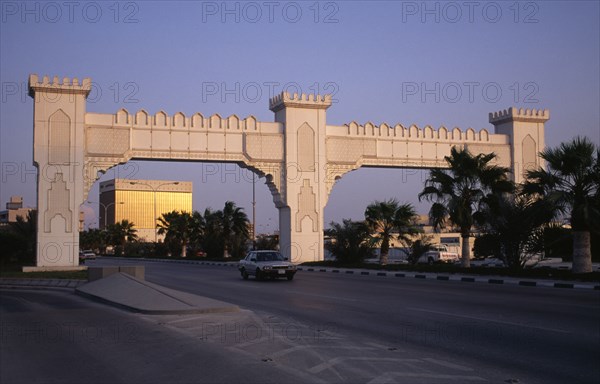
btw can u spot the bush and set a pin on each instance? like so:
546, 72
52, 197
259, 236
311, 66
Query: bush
12, 250
348, 241
486, 245
139, 249
558, 242
18, 241
266, 242
418, 248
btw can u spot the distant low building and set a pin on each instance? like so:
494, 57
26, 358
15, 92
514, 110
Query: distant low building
14, 209
448, 236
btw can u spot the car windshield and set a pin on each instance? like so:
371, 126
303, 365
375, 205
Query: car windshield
269, 256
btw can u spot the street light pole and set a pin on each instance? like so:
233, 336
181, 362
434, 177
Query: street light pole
105, 206
154, 190
155, 219
106, 211
253, 211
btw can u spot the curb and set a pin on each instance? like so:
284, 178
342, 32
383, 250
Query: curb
192, 311
60, 284
197, 262
461, 278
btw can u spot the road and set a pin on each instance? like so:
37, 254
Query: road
352, 328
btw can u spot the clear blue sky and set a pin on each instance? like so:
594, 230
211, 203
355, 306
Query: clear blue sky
171, 55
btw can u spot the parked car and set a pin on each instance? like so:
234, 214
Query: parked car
488, 262
87, 255
439, 253
266, 264
375, 260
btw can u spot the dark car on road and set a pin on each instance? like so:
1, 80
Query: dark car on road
266, 264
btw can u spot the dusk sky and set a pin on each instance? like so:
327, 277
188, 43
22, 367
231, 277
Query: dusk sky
465, 59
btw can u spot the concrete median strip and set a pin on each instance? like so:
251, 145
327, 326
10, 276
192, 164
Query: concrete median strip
125, 291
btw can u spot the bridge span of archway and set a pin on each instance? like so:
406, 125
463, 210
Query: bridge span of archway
299, 153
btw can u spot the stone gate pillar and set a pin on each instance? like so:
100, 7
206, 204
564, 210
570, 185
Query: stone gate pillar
58, 153
303, 190
525, 130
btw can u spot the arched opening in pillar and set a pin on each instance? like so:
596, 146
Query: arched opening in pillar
57, 224
307, 224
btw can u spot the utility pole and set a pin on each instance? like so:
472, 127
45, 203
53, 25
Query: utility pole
253, 211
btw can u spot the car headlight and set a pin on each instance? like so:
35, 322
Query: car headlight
292, 266
266, 267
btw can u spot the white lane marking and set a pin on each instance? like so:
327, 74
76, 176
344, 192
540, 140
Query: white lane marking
317, 346
489, 320
388, 377
321, 296
330, 363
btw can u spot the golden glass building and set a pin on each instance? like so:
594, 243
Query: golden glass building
142, 202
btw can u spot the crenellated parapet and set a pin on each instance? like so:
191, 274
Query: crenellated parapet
142, 119
519, 114
413, 132
112, 139
66, 85
307, 101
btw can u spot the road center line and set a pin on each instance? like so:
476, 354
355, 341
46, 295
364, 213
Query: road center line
322, 296
488, 320
389, 377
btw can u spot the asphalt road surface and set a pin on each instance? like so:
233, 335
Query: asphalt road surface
325, 327
58, 337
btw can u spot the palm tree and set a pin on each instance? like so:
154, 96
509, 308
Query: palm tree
211, 241
383, 218
93, 238
418, 247
225, 231
349, 241
456, 192
180, 228
198, 228
571, 186
234, 227
514, 226
121, 233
